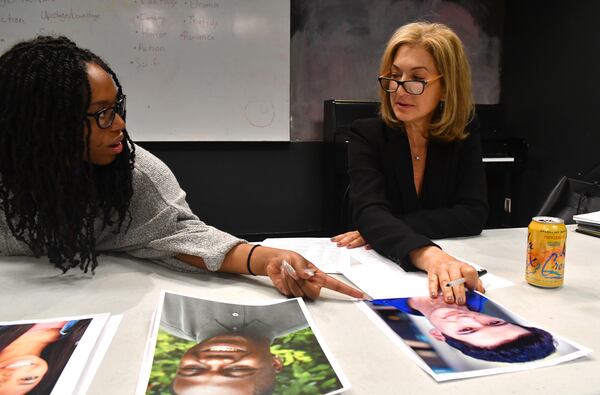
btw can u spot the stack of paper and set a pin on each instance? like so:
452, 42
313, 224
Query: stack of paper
53, 356
321, 251
382, 278
374, 274
588, 223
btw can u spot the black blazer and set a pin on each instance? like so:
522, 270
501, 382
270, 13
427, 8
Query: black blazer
389, 213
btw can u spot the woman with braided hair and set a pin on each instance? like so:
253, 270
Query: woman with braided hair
73, 184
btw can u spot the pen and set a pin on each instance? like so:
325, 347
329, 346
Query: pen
285, 265
292, 272
462, 280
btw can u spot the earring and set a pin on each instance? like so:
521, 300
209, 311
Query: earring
441, 106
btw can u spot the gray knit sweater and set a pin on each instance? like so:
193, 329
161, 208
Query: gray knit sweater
162, 223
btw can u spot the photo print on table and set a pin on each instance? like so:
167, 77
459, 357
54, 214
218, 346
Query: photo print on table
204, 346
52, 356
480, 338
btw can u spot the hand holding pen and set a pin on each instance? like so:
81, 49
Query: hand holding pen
462, 280
442, 268
470, 279
295, 276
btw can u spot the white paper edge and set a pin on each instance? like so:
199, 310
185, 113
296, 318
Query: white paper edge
98, 354
332, 361
497, 281
74, 369
591, 218
380, 323
146, 368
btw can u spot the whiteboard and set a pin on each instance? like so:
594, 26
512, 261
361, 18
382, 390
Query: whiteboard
212, 70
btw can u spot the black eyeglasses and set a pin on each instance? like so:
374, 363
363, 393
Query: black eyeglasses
106, 116
412, 87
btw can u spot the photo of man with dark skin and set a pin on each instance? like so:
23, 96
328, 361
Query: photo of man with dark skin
228, 364
231, 345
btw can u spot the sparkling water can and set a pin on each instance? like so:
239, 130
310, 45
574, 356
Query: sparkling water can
546, 248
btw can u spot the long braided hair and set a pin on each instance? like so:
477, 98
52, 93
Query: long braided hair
52, 197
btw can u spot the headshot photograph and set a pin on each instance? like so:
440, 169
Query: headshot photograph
453, 341
33, 355
208, 347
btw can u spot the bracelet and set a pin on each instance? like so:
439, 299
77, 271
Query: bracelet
248, 260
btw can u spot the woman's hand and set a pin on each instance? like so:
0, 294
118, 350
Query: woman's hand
351, 239
301, 278
442, 268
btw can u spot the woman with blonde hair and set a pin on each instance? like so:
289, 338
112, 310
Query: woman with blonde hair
416, 172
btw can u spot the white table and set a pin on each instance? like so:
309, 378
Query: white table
31, 288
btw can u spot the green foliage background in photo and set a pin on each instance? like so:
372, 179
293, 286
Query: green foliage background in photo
306, 369
168, 352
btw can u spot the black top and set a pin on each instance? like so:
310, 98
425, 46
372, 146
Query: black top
389, 213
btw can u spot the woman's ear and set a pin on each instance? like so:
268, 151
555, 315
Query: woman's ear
437, 334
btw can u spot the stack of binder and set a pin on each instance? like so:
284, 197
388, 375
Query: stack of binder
588, 224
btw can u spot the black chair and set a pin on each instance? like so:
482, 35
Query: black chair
592, 175
338, 115
572, 196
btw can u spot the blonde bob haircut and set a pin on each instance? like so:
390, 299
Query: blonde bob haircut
450, 118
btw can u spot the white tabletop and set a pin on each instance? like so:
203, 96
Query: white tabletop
32, 288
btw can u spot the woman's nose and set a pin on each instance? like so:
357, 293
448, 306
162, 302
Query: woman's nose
118, 122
